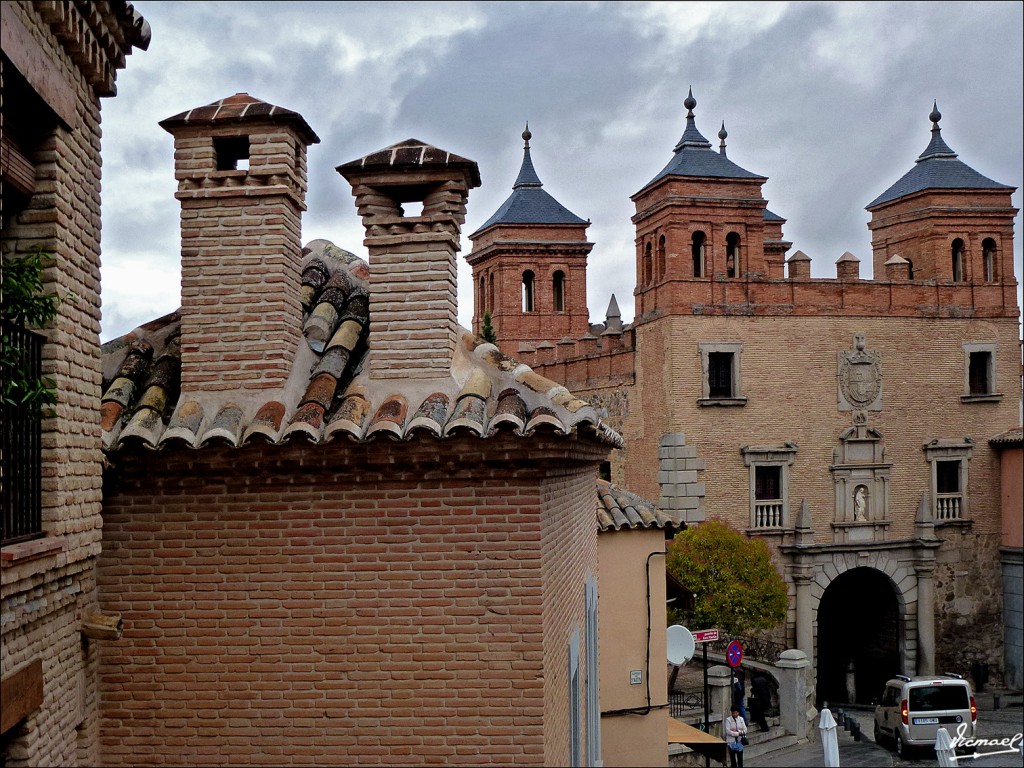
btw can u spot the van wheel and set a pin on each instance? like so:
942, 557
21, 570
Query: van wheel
901, 748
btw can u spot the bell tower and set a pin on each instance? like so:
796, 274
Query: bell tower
947, 220
529, 265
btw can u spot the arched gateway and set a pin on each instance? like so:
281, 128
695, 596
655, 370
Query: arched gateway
860, 627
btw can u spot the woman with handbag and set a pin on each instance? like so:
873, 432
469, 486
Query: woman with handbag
735, 737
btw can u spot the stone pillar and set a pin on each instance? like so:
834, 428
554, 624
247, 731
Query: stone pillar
720, 696
802, 578
795, 713
925, 617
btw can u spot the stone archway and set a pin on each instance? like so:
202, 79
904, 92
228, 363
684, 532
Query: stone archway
860, 626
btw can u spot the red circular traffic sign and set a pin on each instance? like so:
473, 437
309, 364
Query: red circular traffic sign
734, 654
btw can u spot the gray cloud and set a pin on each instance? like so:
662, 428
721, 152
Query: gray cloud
828, 100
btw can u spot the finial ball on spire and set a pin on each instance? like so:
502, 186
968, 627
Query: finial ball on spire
689, 102
527, 135
723, 134
935, 116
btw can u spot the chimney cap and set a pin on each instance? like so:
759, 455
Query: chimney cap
411, 156
240, 108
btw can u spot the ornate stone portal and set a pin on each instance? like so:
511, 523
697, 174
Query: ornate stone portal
859, 468
861, 476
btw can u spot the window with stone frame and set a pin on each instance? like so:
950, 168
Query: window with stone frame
949, 461
721, 383
979, 372
769, 485
957, 258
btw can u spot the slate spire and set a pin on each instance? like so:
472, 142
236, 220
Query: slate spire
527, 175
936, 147
691, 136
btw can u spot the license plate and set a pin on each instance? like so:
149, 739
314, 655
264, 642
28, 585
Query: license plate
926, 721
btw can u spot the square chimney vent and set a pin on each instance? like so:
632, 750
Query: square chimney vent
232, 152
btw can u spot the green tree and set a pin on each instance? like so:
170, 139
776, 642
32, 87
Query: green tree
487, 330
735, 583
24, 303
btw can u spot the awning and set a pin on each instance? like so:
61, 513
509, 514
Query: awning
704, 743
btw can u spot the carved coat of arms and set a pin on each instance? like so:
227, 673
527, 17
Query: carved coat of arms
860, 378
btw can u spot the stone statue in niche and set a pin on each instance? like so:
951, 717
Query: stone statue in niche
860, 504
860, 378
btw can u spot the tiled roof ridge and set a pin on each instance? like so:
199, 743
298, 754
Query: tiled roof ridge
620, 509
328, 395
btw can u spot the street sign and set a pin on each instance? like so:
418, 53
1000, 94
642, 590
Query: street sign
705, 636
734, 654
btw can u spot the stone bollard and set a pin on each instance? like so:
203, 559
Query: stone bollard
840, 718
855, 729
720, 696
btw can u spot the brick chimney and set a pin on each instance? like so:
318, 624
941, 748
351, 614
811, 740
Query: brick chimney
799, 266
241, 170
413, 302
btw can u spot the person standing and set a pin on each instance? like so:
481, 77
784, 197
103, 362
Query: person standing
735, 732
739, 691
760, 699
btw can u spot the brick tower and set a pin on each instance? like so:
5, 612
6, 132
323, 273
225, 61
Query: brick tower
241, 170
701, 222
529, 265
946, 220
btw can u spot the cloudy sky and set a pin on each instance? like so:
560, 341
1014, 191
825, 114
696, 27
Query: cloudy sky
830, 101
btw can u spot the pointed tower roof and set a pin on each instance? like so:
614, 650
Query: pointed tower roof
695, 157
936, 168
529, 203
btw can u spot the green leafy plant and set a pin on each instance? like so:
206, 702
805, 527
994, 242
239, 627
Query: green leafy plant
735, 583
24, 303
487, 330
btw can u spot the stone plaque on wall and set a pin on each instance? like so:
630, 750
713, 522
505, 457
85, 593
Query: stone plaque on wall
860, 378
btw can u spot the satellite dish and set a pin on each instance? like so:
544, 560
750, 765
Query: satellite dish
679, 644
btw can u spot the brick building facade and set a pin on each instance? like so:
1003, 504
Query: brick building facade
58, 60
845, 420
366, 538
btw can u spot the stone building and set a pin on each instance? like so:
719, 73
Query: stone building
58, 60
845, 420
336, 527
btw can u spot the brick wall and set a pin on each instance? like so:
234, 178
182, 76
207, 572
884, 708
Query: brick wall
344, 604
569, 552
48, 583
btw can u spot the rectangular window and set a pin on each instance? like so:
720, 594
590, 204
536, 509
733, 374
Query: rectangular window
575, 743
721, 383
947, 477
593, 699
768, 483
720, 374
949, 459
22, 443
980, 373
769, 469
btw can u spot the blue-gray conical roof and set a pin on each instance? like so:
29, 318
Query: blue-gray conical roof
695, 157
936, 168
529, 203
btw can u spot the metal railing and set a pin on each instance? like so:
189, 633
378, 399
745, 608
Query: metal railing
21, 467
682, 703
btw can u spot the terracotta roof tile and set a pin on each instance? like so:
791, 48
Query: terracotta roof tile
619, 509
329, 395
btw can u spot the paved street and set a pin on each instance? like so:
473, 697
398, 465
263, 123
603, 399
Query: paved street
997, 724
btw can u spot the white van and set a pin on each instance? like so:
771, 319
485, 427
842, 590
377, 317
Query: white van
913, 709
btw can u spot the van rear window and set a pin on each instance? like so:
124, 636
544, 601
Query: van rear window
933, 698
